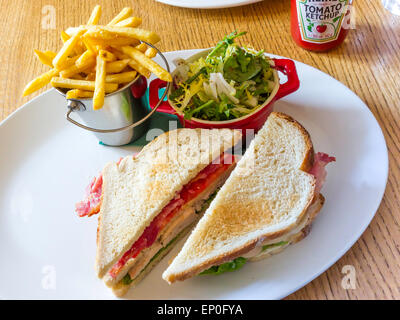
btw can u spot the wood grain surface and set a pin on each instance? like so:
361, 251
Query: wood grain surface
368, 63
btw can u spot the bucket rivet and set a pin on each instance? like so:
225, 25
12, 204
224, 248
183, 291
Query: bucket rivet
76, 105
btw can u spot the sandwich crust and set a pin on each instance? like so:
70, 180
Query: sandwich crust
308, 161
253, 206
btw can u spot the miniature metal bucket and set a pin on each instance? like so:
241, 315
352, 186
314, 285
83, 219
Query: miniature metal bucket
123, 117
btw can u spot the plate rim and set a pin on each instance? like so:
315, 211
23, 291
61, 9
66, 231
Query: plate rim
186, 4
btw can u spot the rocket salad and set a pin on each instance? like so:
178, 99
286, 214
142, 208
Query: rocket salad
229, 83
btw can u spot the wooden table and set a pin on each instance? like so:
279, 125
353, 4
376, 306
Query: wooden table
368, 63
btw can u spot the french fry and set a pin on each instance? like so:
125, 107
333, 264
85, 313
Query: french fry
95, 16
142, 47
91, 69
45, 57
67, 49
124, 77
78, 76
89, 46
50, 54
39, 82
116, 41
118, 53
71, 31
68, 63
91, 76
86, 85
116, 66
107, 56
150, 53
146, 62
74, 69
125, 13
132, 22
72, 94
65, 36
77, 94
139, 68
110, 32
100, 83
85, 59
78, 47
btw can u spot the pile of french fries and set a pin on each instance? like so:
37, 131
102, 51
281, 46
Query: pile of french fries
99, 59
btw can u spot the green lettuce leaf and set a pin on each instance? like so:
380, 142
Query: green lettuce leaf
127, 279
226, 267
273, 245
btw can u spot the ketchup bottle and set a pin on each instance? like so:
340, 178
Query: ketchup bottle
320, 25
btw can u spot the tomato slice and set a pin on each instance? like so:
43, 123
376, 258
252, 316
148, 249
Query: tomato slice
187, 193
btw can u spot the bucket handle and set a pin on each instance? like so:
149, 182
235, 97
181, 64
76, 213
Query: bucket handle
76, 105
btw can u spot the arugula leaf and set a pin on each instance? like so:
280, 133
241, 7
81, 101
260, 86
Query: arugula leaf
224, 43
226, 267
244, 59
188, 115
273, 245
196, 75
242, 66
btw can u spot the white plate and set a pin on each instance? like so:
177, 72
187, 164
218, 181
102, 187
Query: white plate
48, 252
208, 4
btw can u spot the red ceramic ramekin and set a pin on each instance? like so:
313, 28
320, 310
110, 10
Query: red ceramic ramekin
253, 120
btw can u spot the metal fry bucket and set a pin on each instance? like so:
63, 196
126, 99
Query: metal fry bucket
123, 118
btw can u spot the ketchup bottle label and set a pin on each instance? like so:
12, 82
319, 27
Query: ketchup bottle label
320, 21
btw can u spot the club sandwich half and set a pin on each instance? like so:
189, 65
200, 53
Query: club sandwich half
268, 202
147, 202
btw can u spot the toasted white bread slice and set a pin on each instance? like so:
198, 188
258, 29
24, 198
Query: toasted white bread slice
264, 198
136, 190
